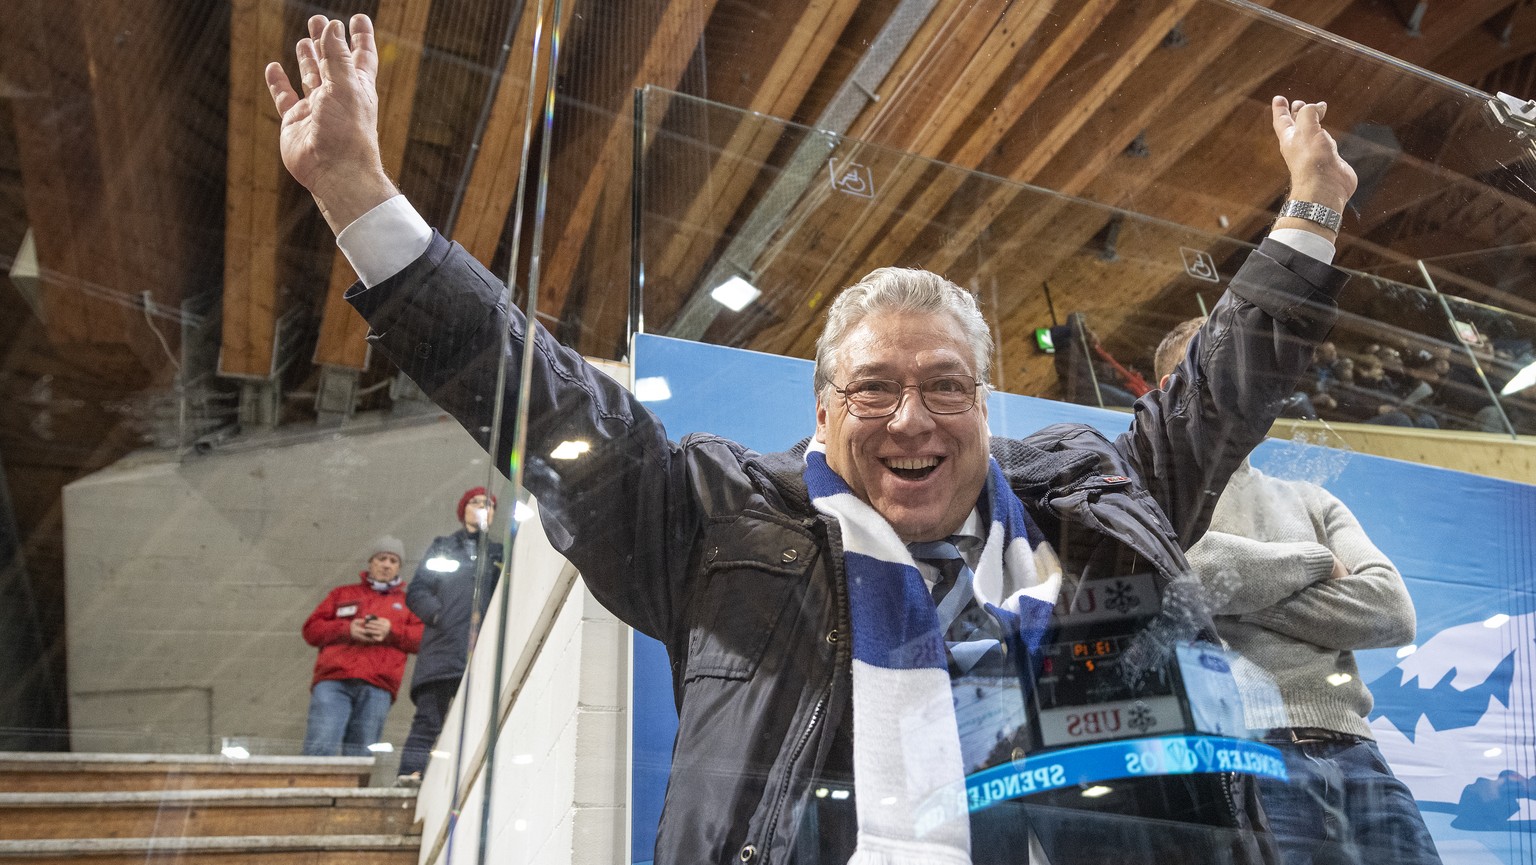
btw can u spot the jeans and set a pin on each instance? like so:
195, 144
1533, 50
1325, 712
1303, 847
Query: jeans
345, 716
1342, 804
432, 701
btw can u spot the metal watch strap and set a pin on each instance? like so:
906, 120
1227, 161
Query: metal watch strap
1311, 211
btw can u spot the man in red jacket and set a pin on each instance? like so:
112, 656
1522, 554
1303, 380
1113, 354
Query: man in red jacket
363, 631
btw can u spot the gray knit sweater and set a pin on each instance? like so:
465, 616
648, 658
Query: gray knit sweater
1267, 565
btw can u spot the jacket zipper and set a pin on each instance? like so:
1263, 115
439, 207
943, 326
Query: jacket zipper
794, 757
1229, 798
835, 552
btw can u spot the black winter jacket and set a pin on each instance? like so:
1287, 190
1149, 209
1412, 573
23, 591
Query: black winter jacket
717, 552
444, 600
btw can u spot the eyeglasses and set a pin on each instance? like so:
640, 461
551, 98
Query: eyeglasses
878, 397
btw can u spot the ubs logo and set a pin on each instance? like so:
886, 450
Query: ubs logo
1118, 720
1096, 722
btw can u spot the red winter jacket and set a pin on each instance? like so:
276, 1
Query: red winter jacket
330, 628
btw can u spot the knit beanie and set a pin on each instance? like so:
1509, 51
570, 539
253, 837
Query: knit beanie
469, 494
387, 544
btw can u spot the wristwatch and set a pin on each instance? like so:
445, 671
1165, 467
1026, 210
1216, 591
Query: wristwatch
1311, 211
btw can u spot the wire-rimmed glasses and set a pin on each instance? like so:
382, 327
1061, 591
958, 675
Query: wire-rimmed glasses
879, 397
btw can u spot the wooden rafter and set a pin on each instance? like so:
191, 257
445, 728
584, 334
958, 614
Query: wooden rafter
1073, 90
784, 84
919, 114
666, 57
493, 181
251, 207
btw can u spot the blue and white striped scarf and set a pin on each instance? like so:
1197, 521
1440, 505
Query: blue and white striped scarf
909, 783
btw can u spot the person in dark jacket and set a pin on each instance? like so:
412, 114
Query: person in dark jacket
443, 594
364, 632
803, 631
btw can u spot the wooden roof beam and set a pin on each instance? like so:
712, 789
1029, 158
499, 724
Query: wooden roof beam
251, 206
1070, 88
906, 40
921, 114
675, 269
772, 83
1098, 169
42, 52
1058, 60
666, 56
499, 162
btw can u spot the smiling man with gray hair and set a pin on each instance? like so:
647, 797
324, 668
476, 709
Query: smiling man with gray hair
828, 609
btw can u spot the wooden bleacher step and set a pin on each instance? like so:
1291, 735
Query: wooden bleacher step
232, 850
207, 813
22, 772
136, 809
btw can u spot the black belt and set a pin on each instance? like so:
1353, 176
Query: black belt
1302, 735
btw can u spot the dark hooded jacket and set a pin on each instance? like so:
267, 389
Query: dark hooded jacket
717, 551
442, 595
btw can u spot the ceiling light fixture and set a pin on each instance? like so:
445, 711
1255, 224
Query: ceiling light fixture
735, 293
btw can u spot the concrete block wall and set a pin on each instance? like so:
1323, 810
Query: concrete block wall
188, 580
559, 779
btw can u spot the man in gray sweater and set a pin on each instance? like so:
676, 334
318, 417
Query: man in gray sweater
1295, 586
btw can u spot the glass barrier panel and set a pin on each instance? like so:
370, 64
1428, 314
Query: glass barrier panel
220, 454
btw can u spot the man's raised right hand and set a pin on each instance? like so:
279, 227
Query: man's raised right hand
330, 135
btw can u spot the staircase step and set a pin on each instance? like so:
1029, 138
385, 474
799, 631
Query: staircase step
207, 813
234, 850
22, 772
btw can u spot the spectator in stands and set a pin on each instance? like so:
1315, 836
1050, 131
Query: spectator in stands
1425, 371
1408, 391
1089, 374
1370, 398
1322, 376
364, 632
443, 594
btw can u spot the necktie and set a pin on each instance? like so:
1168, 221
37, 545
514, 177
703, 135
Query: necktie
954, 598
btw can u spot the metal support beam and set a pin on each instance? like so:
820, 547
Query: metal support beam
1108, 239
259, 404
336, 394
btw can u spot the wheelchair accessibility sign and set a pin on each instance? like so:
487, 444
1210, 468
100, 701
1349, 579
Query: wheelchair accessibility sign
1199, 264
853, 178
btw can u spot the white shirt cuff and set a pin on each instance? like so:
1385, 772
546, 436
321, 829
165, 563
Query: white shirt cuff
1305, 242
381, 242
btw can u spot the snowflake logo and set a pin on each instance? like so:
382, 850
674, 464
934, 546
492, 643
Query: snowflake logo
1140, 718
1121, 597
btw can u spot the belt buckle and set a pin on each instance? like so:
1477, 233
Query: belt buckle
1311, 735
1298, 739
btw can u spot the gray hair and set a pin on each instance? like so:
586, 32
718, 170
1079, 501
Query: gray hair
901, 289
1174, 346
